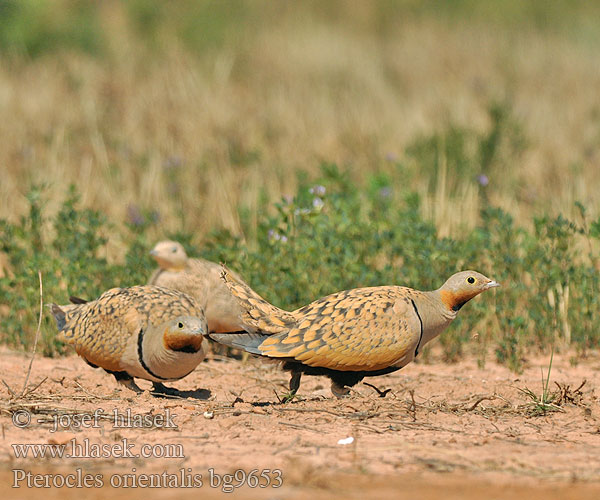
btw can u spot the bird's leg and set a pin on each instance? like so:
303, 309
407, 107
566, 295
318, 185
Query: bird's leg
294, 385
295, 381
339, 390
127, 380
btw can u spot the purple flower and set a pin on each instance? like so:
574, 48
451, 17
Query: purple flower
385, 192
483, 180
317, 190
173, 188
275, 236
134, 215
172, 162
318, 203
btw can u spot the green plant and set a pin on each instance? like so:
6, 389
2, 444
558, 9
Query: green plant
546, 401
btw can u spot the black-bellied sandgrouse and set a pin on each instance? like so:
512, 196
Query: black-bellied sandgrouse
351, 334
147, 332
199, 278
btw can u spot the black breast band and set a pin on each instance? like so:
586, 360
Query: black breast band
421, 323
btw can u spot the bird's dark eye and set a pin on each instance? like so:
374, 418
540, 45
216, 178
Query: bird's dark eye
470, 280
174, 249
180, 325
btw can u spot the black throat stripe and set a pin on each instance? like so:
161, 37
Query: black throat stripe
161, 271
420, 323
140, 350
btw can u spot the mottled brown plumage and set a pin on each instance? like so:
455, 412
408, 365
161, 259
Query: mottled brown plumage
199, 278
147, 332
353, 333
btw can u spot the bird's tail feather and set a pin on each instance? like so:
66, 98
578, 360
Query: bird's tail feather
258, 314
246, 341
77, 300
59, 315
63, 316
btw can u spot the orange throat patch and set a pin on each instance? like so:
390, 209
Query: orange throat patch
182, 342
454, 301
165, 265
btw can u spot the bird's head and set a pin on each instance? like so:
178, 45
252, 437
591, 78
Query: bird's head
462, 287
184, 334
170, 255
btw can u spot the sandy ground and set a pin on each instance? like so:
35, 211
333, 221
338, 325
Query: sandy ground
451, 430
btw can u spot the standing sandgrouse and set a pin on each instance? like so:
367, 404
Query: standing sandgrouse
199, 278
351, 334
146, 332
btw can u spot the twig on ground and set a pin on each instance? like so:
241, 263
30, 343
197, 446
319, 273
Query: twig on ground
31, 391
287, 447
382, 394
301, 427
413, 407
9, 389
87, 392
480, 400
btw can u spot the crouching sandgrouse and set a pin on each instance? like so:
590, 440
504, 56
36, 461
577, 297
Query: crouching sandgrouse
351, 334
146, 332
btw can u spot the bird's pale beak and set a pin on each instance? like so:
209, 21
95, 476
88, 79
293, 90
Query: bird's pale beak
492, 284
154, 253
201, 330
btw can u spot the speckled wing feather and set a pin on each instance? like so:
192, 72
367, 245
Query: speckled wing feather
365, 329
99, 330
257, 314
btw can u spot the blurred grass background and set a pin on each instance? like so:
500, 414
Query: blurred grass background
197, 109
191, 118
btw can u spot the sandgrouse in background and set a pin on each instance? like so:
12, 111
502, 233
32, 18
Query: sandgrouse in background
201, 279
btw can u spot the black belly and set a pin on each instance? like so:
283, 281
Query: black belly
342, 378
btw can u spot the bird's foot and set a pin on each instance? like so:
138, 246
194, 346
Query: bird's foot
339, 391
382, 394
130, 384
287, 397
159, 389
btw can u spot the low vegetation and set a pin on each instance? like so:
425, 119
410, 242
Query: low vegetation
333, 234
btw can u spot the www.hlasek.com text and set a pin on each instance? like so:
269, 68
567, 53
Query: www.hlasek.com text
87, 449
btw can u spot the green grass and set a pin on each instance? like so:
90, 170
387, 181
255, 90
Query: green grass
546, 401
39, 27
